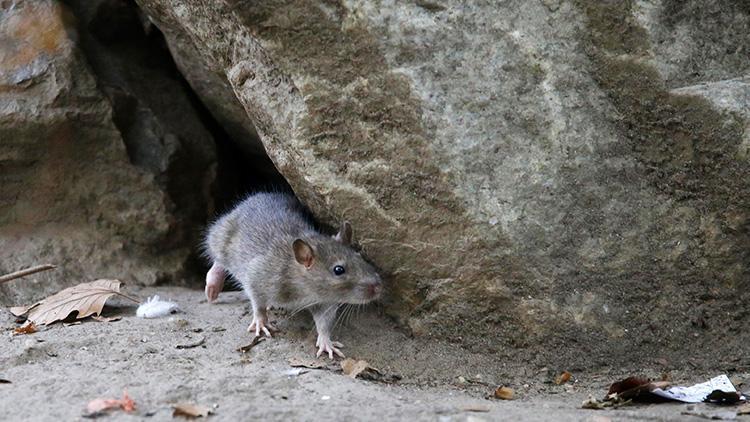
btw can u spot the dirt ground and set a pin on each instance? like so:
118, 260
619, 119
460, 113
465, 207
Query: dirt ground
55, 372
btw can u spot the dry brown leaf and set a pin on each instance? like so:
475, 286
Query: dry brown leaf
630, 383
85, 299
21, 310
297, 362
744, 409
563, 378
636, 389
504, 393
106, 319
360, 368
190, 411
28, 328
352, 367
630, 387
102, 405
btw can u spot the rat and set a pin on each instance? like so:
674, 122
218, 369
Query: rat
271, 248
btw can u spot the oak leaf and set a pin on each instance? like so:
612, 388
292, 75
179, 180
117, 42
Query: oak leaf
85, 299
21, 310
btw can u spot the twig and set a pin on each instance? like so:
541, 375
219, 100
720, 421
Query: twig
191, 345
28, 271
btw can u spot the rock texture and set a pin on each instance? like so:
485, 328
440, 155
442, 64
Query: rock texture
527, 173
561, 182
101, 190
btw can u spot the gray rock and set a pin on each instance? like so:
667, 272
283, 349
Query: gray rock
731, 95
519, 169
79, 187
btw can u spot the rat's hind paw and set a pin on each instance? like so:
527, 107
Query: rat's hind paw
325, 345
214, 282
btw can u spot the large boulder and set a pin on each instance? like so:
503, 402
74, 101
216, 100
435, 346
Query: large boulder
103, 192
528, 175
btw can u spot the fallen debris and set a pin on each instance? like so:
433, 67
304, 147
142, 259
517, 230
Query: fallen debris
190, 411
106, 319
297, 362
718, 390
256, 340
295, 372
98, 407
84, 300
563, 378
154, 307
4, 381
479, 408
27, 271
504, 393
592, 403
194, 344
28, 328
635, 388
361, 369
352, 367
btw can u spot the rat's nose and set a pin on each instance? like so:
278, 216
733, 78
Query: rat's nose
374, 289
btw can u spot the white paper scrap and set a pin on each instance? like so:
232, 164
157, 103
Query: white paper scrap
698, 392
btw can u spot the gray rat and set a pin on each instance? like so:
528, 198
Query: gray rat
268, 245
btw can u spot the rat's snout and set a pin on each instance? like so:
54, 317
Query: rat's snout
375, 289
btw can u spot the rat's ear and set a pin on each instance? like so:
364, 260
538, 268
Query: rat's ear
345, 233
303, 253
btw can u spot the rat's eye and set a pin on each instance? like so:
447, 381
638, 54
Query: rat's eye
338, 270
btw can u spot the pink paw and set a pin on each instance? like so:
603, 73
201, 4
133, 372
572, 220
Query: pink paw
261, 324
214, 282
212, 292
325, 345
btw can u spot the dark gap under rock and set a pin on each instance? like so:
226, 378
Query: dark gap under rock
167, 131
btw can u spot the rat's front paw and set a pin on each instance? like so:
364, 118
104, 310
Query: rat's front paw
325, 345
261, 324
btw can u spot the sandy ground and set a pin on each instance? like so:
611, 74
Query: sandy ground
56, 371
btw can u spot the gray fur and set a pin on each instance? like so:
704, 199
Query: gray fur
253, 243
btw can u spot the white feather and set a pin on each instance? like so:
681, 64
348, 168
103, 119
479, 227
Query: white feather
155, 308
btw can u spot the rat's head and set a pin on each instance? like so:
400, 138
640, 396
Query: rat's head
337, 271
